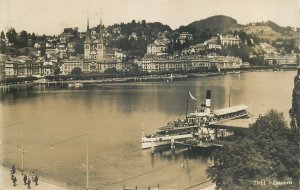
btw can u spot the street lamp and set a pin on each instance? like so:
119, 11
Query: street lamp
22, 148
87, 153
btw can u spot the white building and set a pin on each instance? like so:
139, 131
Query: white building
185, 36
230, 39
159, 46
225, 62
151, 63
281, 59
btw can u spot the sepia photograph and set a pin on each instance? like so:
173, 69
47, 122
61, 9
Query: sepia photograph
149, 94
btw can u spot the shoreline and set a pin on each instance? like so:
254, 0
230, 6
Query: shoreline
26, 85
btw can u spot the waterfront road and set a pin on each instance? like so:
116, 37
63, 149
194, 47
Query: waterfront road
7, 184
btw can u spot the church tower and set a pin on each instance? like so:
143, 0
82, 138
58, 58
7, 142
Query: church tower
87, 42
100, 43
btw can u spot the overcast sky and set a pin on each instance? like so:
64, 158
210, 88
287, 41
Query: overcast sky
51, 16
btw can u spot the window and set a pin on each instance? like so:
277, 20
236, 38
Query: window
87, 47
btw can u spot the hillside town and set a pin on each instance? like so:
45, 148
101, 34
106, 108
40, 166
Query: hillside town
93, 51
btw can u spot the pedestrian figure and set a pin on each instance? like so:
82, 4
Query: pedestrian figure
12, 177
13, 169
14, 180
25, 179
28, 183
36, 179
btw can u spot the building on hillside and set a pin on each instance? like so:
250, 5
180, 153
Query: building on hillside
133, 36
289, 59
230, 39
213, 43
225, 62
48, 68
267, 48
51, 52
118, 53
185, 36
71, 46
159, 46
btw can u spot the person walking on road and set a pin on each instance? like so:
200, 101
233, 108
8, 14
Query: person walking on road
13, 169
28, 183
15, 180
36, 179
25, 179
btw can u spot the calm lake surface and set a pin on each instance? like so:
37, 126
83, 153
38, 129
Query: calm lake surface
113, 116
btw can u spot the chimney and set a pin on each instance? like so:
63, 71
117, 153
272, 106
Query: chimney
207, 102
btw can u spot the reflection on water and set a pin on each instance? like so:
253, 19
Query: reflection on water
113, 115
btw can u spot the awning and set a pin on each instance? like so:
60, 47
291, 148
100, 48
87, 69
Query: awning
229, 110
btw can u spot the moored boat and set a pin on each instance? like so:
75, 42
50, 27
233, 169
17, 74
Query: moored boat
194, 125
75, 85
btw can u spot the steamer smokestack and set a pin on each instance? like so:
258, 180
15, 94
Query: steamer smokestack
207, 102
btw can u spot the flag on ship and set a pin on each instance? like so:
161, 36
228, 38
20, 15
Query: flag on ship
192, 97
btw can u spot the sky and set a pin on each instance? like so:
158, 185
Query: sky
51, 16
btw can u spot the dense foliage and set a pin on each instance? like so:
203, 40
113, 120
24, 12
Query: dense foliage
268, 151
206, 28
295, 110
134, 37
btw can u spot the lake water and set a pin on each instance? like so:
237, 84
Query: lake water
113, 116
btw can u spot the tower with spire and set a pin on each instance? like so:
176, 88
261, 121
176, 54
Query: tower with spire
87, 42
94, 49
100, 43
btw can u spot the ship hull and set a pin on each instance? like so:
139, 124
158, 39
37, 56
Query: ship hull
148, 142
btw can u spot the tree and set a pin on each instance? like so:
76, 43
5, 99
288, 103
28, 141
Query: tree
22, 39
295, 110
267, 151
76, 71
12, 35
2, 36
2, 43
112, 70
144, 24
33, 39
56, 71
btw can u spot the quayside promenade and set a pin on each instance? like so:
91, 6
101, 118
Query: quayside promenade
43, 183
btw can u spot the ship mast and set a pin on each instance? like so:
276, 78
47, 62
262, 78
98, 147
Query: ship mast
187, 105
229, 94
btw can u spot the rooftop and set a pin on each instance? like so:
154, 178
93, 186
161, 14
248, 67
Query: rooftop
235, 123
230, 109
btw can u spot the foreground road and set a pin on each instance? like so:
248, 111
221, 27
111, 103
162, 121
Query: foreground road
7, 184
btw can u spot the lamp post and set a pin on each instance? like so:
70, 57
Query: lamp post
87, 153
22, 146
